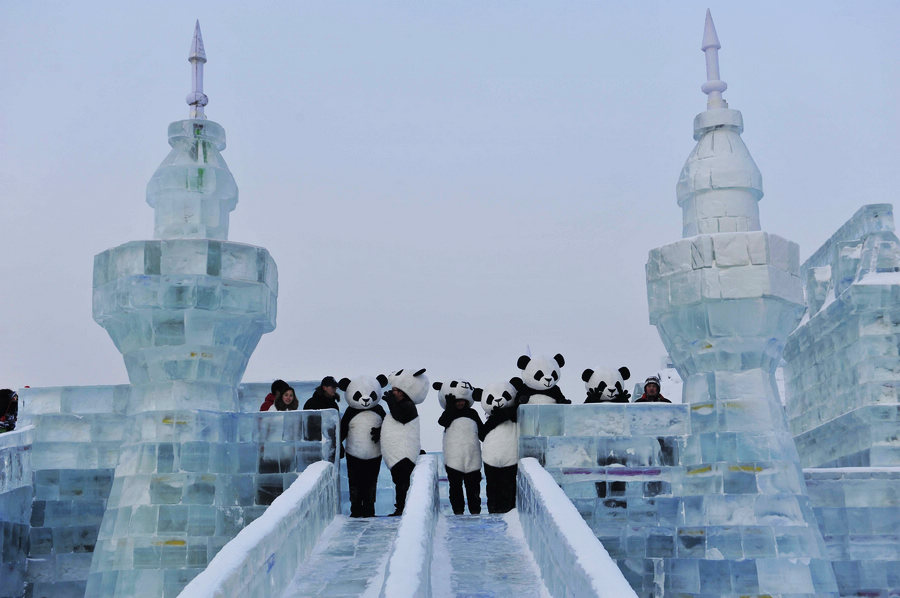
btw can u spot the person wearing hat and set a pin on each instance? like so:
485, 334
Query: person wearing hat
324, 396
651, 392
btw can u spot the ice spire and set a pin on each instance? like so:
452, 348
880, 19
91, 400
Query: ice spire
197, 99
710, 46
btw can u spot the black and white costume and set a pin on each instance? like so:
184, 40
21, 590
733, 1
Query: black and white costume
606, 386
500, 448
400, 440
361, 432
539, 378
461, 443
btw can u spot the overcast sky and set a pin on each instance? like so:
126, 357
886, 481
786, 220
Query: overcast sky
442, 184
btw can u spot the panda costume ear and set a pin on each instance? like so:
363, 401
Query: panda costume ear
523, 362
419, 373
586, 374
437, 385
382, 379
344, 383
476, 394
516, 383
624, 372
559, 359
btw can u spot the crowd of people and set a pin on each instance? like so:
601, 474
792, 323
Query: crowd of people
468, 442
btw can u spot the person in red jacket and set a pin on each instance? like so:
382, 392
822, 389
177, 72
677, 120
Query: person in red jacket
651, 392
278, 388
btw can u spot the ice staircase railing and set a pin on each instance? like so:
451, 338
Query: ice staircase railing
408, 572
572, 560
261, 560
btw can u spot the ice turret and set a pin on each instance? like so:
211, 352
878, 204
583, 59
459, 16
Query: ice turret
724, 299
186, 311
720, 185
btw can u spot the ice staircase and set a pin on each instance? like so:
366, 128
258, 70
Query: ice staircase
543, 549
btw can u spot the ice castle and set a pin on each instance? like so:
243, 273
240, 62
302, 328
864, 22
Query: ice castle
176, 485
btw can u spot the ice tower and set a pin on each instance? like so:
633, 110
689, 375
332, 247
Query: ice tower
186, 310
724, 299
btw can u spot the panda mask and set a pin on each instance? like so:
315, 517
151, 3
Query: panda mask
497, 396
413, 382
454, 391
540, 373
606, 385
363, 392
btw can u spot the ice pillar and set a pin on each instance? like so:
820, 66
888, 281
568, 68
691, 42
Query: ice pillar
186, 311
724, 299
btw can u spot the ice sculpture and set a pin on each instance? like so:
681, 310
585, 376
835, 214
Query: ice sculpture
724, 299
186, 310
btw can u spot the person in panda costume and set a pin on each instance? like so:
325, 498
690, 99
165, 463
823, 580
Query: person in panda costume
500, 448
606, 386
400, 441
361, 433
462, 447
539, 377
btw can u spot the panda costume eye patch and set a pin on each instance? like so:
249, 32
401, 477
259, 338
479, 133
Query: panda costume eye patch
373, 396
555, 375
357, 395
539, 374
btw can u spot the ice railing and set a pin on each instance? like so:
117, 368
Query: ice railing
15, 508
261, 560
572, 560
408, 572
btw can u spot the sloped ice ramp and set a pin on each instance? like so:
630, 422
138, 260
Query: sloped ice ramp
544, 549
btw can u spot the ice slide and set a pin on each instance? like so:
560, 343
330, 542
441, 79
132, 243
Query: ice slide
542, 549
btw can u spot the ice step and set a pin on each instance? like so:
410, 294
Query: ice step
484, 556
348, 560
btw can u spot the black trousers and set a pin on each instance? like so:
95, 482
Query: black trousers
400, 473
472, 481
362, 478
501, 488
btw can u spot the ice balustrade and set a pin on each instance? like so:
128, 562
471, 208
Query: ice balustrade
260, 561
408, 573
842, 362
860, 522
572, 560
15, 508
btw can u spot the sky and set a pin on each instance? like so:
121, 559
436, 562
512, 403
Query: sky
442, 185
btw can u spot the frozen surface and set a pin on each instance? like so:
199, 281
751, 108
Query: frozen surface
15, 508
260, 561
349, 560
484, 555
843, 366
571, 558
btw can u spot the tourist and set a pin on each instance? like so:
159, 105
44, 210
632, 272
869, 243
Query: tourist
287, 401
651, 392
324, 396
9, 410
278, 387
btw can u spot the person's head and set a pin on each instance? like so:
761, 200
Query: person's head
461, 403
399, 394
288, 396
329, 386
278, 387
651, 386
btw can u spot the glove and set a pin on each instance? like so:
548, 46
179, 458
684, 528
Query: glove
376, 434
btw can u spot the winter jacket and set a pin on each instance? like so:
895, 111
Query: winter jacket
320, 400
267, 403
658, 399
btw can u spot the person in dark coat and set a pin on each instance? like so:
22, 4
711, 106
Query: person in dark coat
651, 392
324, 396
278, 388
9, 410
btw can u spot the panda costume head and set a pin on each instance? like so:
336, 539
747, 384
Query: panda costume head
606, 385
363, 392
454, 391
497, 396
412, 382
539, 377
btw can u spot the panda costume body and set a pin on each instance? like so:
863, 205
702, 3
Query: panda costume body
500, 448
539, 377
360, 432
606, 385
400, 440
461, 444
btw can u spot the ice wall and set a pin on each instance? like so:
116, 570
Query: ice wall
15, 508
843, 364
